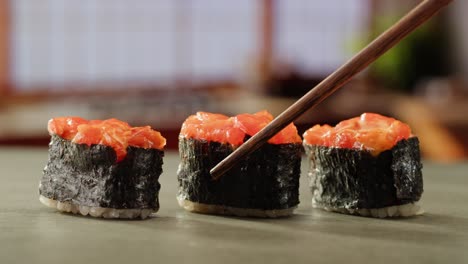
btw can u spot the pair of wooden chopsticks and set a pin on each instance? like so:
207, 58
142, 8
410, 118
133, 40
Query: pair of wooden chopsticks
337, 79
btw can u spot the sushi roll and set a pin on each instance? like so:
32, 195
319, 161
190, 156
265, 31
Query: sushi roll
368, 165
102, 168
264, 184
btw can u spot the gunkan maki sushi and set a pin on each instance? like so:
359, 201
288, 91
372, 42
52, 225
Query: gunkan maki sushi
264, 184
368, 165
102, 168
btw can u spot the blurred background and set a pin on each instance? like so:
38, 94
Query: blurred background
157, 61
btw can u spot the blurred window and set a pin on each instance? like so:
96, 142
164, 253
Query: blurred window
66, 41
316, 37
60, 42
224, 37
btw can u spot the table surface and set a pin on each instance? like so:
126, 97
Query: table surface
33, 233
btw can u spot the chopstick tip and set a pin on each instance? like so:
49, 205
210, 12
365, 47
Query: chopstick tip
216, 172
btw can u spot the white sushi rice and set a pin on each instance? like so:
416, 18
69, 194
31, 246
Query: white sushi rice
227, 210
404, 210
74, 208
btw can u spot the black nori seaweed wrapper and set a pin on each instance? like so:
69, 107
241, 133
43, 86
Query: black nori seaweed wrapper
90, 175
354, 179
267, 179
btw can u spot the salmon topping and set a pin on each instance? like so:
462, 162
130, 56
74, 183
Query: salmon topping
372, 132
110, 132
233, 130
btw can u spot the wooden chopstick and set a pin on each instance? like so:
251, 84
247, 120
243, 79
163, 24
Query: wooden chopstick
337, 79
